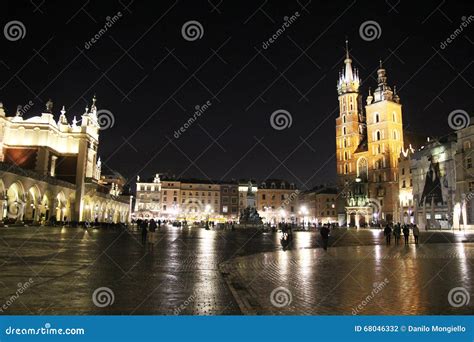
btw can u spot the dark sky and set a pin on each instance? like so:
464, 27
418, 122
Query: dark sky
151, 78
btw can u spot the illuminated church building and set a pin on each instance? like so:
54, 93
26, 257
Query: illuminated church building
368, 144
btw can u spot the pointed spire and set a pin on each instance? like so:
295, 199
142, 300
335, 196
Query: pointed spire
347, 48
349, 79
370, 98
74, 121
62, 117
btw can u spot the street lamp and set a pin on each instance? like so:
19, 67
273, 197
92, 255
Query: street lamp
304, 212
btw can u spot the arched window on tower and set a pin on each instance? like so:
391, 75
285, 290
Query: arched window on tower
377, 136
394, 115
376, 118
346, 156
395, 134
343, 119
346, 169
344, 143
344, 131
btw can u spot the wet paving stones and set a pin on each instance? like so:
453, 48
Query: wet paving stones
189, 271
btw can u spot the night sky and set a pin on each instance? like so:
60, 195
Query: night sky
150, 78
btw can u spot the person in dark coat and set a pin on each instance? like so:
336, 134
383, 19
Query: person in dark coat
397, 232
416, 233
406, 233
325, 236
388, 234
143, 227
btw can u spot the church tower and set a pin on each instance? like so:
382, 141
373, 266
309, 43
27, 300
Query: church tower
350, 125
385, 143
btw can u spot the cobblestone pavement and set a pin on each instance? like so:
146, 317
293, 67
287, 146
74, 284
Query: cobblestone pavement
368, 280
180, 276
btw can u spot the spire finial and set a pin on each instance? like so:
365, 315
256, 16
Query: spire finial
370, 91
63, 110
380, 63
347, 48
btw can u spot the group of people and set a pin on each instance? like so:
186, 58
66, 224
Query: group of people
397, 231
148, 230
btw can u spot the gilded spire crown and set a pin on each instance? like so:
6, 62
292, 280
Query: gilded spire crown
349, 77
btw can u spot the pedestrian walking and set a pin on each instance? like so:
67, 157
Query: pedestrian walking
397, 232
143, 227
152, 234
325, 231
406, 233
416, 233
388, 234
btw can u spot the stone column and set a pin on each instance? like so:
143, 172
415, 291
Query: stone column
77, 213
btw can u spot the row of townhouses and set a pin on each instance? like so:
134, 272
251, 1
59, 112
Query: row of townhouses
170, 198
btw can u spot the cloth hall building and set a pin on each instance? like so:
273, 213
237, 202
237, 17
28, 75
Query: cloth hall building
49, 170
